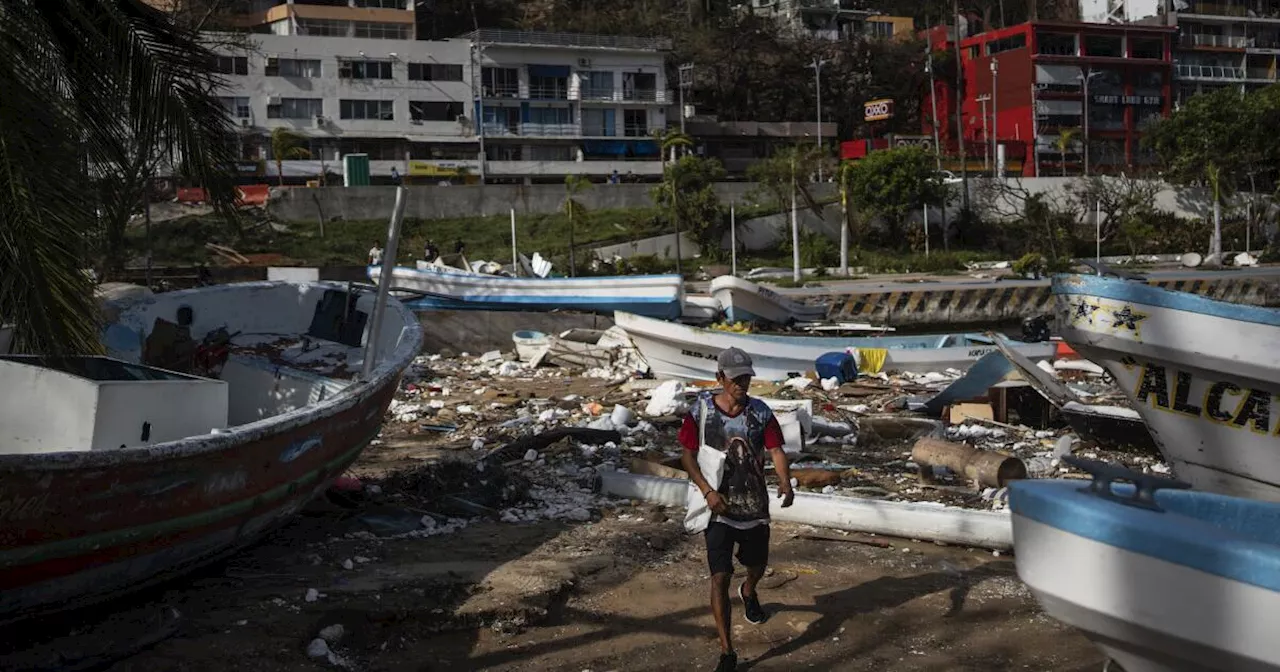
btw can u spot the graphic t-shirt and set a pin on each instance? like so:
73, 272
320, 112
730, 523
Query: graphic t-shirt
745, 438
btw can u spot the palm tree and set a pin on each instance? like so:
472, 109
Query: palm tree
286, 146
1213, 173
1066, 138
574, 185
95, 92
669, 140
844, 177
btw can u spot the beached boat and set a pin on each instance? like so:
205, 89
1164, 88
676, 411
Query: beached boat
700, 309
439, 287
1161, 580
680, 351
215, 415
1204, 374
745, 301
579, 348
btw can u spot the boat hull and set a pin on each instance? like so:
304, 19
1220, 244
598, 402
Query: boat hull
659, 296
688, 353
744, 301
1147, 614
1203, 374
81, 527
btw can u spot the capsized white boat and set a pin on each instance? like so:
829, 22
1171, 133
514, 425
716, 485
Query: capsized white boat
439, 287
1204, 374
580, 348
744, 301
680, 351
1161, 580
216, 414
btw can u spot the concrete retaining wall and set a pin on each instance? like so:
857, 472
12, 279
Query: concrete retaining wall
988, 305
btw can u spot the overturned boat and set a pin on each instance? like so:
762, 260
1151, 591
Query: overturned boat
680, 351
744, 301
1160, 579
439, 287
215, 414
1203, 374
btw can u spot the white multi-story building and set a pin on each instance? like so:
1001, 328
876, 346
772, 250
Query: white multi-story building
551, 104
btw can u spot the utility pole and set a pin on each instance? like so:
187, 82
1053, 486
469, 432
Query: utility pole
1085, 76
986, 133
933, 102
995, 130
959, 97
686, 81
817, 83
477, 91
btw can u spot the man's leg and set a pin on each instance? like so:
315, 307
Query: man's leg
753, 553
720, 540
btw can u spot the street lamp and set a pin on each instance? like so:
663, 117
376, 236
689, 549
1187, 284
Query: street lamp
995, 132
1085, 76
817, 83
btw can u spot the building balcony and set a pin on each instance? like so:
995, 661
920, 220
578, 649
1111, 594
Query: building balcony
1224, 41
639, 130
1210, 72
496, 36
503, 91
615, 96
531, 130
596, 168
1261, 75
548, 93
1267, 10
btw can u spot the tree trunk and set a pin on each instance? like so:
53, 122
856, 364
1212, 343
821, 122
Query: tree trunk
844, 237
984, 468
573, 266
280, 171
1064, 162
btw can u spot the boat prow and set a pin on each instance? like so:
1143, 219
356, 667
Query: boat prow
744, 301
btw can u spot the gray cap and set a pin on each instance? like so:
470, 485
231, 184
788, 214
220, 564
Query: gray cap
733, 362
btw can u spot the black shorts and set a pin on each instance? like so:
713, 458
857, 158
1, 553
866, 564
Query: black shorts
753, 546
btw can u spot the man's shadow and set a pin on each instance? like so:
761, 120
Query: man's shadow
882, 593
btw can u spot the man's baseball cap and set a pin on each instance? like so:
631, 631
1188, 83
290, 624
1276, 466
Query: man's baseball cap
733, 362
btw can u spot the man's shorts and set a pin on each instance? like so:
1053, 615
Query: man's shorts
753, 546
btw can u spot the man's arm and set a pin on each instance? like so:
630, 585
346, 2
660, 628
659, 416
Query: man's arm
773, 441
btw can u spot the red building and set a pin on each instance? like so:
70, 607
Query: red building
1044, 70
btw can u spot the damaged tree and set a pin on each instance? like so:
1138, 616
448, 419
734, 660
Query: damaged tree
983, 468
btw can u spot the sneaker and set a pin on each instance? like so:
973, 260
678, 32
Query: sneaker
728, 662
755, 613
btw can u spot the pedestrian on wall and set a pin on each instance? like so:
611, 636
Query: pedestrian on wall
747, 431
459, 247
430, 252
375, 253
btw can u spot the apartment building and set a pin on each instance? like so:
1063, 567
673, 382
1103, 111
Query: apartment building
832, 19
496, 105
1226, 43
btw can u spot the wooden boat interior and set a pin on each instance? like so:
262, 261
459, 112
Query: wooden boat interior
187, 364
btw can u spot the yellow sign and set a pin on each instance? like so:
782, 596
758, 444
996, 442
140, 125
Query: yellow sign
429, 169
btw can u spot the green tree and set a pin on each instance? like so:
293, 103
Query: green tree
670, 143
286, 145
573, 186
92, 89
894, 183
690, 199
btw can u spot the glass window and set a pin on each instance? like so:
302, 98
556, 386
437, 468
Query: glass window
597, 85
322, 27
296, 108
550, 115
639, 86
1108, 116
364, 69
293, 67
597, 122
381, 110
381, 4
1056, 44
635, 123
880, 29
231, 65
434, 111
381, 31
448, 151
552, 153
1147, 47
378, 149
1006, 44
435, 72
548, 88
1110, 46
236, 107
500, 82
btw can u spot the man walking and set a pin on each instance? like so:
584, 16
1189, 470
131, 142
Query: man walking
746, 430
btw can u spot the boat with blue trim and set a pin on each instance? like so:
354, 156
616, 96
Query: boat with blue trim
436, 286
744, 301
1204, 375
1161, 578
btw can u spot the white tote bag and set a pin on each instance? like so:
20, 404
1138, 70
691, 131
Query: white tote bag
711, 464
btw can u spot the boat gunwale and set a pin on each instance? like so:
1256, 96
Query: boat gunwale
356, 393
1132, 291
586, 280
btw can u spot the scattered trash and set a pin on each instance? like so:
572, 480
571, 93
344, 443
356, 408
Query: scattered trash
312, 595
667, 399
332, 633
318, 648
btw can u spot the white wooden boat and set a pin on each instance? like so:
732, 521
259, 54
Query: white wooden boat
1160, 580
217, 413
439, 287
680, 351
579, 348
1204, 374
700, 309
745, 301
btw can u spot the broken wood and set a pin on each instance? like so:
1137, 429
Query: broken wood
540, 442
815, 478
878, 543
981, 467
648, 468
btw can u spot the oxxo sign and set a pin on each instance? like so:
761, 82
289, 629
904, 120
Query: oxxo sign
877, 110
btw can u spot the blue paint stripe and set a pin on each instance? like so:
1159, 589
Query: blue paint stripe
590, 281
1136, 292
1229, 537
663, 309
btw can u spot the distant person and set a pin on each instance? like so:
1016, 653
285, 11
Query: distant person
615, 178
430, 252
395, 175
375, 253
459, 247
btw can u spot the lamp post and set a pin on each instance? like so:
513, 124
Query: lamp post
982, 102
686, 80
817, 84
995, 131
933, 103
1085, 76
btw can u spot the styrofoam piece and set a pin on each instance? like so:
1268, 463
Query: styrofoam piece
911, 520
792, 432
804, 408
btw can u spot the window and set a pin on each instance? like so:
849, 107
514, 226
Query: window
381, 110
442, 151
293, 67
880, 29
435, 72
231, 65
378, 149
364, 69
1006, 44
381, 31
323, 27
1105, 116
502, 120
639, 86
635, 123
1147, 47
1057, 44
1110, 46
434, 111
552, 153
972, 52
1148, 83
500, 82
597, 85
597, 122
381, 4
237, 108
551, 121
296, 108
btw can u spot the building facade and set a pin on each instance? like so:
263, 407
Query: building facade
832, 19
1024, 85
497, 105
1225, 43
